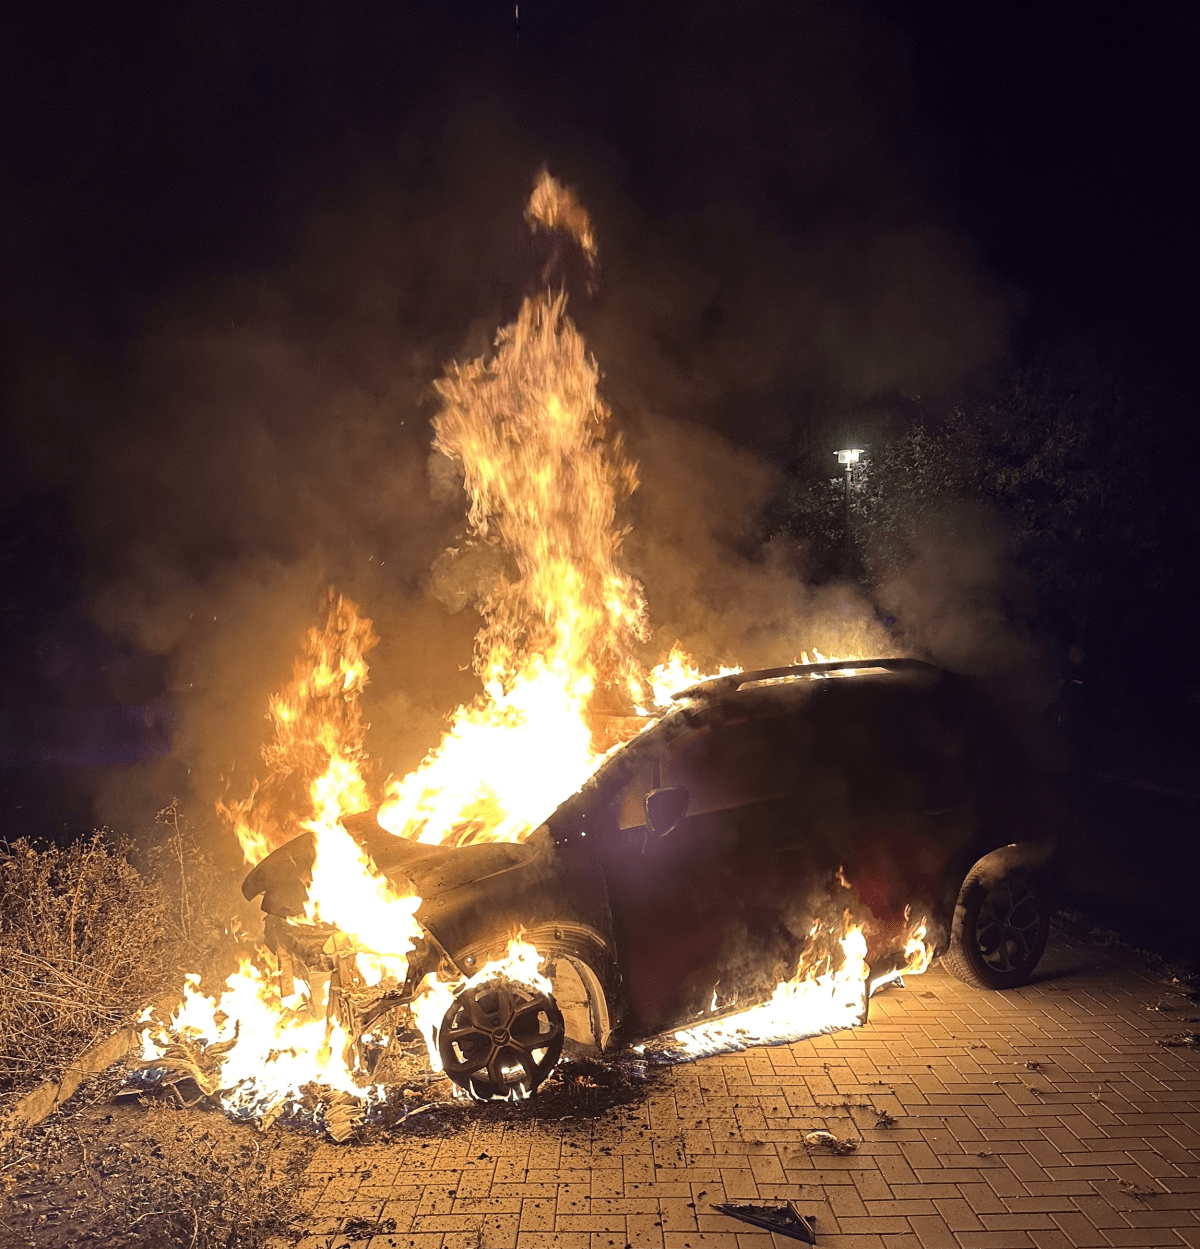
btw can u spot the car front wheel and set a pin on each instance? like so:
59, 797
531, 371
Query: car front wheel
1000, 928
500, 1040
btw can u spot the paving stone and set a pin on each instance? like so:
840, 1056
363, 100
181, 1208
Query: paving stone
986, 1153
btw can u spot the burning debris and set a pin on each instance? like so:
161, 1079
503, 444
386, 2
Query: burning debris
366, 969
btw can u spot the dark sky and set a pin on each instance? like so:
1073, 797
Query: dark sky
238, 241
149, 144
1073, 132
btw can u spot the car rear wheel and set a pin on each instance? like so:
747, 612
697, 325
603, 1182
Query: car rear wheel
500, 1040
1000, 928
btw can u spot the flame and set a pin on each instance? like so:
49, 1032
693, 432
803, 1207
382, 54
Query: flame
521, 964
315, 760
675, 674
269, 1045
818, 658
918, 953
263, 1048
825, 993
349, 893
555, 207
558, 650
830, 993
530, 433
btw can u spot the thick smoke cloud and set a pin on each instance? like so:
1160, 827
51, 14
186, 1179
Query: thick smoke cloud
770, 268
716, 584
964, 602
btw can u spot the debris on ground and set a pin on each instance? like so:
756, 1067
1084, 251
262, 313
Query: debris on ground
885, 1119
422, 1104
342, 1115
784, 1219
1136, 1191
148, 1174
361, 1229
1179, 1040
827, 1140
189, 1069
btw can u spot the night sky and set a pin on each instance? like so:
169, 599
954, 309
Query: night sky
240, 241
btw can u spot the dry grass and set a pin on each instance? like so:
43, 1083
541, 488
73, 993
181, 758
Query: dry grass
86, 941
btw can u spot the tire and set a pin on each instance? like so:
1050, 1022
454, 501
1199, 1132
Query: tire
1000, 927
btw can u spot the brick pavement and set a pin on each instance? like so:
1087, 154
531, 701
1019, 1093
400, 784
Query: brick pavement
1046, 1117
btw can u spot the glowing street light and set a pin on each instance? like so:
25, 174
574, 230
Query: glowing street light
849, 458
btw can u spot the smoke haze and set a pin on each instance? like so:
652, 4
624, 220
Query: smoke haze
770, 268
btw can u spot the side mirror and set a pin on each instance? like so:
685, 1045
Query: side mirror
665, 808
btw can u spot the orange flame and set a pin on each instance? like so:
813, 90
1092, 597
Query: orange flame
815, 999
676, 674
530, 432
555, 206
270, 1047
315, 762
545, 478
824, 994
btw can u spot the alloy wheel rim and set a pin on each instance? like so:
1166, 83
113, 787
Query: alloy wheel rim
1006, 929
501, 1040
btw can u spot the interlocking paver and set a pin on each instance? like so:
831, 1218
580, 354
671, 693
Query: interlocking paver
1093, 1146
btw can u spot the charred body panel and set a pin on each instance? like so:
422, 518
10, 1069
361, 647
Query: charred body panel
895, 781
473, 899
787, 801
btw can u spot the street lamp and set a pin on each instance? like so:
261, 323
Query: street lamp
849, 458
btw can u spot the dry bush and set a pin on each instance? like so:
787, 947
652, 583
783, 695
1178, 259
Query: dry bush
204, 886
85, 942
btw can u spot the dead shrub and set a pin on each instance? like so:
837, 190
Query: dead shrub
86, 941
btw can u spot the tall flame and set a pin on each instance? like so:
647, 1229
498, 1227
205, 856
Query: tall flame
315, 762
544, 478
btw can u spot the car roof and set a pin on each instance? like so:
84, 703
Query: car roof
917, 670
764, 691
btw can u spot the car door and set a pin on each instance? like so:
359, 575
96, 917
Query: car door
694, 912
885, 799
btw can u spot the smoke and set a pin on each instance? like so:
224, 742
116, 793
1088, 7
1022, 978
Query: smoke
770, 267
962, 601
716, 583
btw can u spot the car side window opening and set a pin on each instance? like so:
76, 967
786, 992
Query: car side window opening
631, 800
724, 764
732, 764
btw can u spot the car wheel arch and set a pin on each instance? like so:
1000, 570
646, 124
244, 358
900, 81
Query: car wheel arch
985, 852
574, 955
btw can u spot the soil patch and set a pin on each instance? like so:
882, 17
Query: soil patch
132, 1174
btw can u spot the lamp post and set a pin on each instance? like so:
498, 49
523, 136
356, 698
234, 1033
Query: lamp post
849, 458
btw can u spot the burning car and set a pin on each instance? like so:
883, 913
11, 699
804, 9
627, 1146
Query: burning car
750, 865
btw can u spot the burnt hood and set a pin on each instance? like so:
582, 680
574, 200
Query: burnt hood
284, 875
